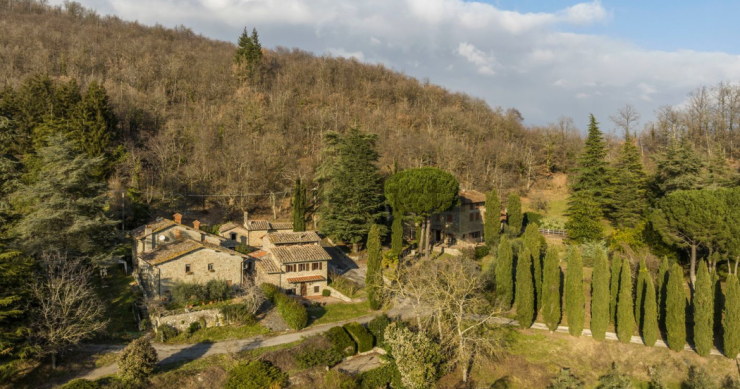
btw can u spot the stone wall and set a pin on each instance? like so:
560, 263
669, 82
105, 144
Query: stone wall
226, 266
182, 321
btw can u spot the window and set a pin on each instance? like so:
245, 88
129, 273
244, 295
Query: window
303, 267
289, 268
477, 216
290, 291
316, 289
210, 267
233, 236
449, 218
472, 217
187, 268
316, 266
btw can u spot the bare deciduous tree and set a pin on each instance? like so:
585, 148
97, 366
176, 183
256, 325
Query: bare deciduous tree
64, 306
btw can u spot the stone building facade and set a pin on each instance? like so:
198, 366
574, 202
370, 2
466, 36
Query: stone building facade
252, 232
462, 224
295, 262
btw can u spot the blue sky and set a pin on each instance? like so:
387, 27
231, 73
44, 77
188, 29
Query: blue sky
545, 58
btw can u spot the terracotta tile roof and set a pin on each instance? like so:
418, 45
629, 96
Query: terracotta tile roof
267, 264
293, 237
264, 225
170, 251
295, 280
258, 253
293, 254
472, 196
157, 225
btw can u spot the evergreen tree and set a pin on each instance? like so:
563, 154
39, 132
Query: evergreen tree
675, 309
662, 291
628, 194
137, 362
650, 314
625, 311
352, 188
64, 209
373, 277
551, 289
678, 168
505, 273
642, 275
531, 240
244, 47
524, 290
492, 222
584, 218
615, 379
719, 173
255, 54
731, 320
600, 296
574, 296
592, 172
565, 380
703, 306
614, 289
514, 216
299, 206
15, 270
95, 124
397, 232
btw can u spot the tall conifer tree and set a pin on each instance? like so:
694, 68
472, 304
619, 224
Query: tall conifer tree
731, 321
703, 306
492, 222
642, 275
616, 272
625, 310
505, 273
551, 290
600, 296
584, 218
574, 296
397, 232
675, 309
678, 168
650, 314
299, 206
373, 277
662, 283
592, 173
531, 239
524, 289
628, 194
515, 218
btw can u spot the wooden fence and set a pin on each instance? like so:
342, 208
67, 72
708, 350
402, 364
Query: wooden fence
556, 233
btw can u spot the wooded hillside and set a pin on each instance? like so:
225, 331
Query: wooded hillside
191, 126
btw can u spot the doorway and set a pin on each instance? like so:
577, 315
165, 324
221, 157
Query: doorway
303, 290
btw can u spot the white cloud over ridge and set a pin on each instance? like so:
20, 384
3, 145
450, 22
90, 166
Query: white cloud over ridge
525, 60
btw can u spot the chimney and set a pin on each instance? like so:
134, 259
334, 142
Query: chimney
246, 218
178, 218
148, 230
196, 225
178, 233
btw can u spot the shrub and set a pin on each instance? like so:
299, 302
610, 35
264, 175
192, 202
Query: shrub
699, 379
615, 379
256, 375
341, 342
186, 291
532, 218
292, 311
377, 328
381, 377
326, 292
218, 290
270, 290
165, 332
193, 328
565, 380
481, 251
361, 335
238, 314
81, 384
312, 356
137, 361
337, 380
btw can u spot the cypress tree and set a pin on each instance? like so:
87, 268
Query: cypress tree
397, 232
703, 306
531, 239
614, 289
592, 172
662, 282
650, 314
551, 289
600, 296
505, 273
625, 312
675, 309
514, 214
731, 321
574, 297
373, 277
584, 218
299, 206
492, 222
642, 275
524, 290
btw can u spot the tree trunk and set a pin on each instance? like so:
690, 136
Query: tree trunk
692, 274
737, 261
420, 238
465, 362
53, 361
428, 236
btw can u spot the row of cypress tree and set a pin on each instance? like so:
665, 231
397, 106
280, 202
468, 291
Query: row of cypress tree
648, 307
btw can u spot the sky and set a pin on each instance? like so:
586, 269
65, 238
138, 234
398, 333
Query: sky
546, 58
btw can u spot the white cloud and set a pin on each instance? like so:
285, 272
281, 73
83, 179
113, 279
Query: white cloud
542, 67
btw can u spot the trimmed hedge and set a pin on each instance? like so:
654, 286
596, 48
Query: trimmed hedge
341, 342
256, 375
361, 336
292, 311
326, 292
81, 383
377, 328
270, 290
312, 356
381, 377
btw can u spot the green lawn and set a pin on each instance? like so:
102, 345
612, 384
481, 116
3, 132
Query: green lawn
337, 312
216, 334
117, 295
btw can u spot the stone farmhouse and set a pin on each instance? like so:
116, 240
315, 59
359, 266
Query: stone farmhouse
252, 231
294, 261
462, 224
